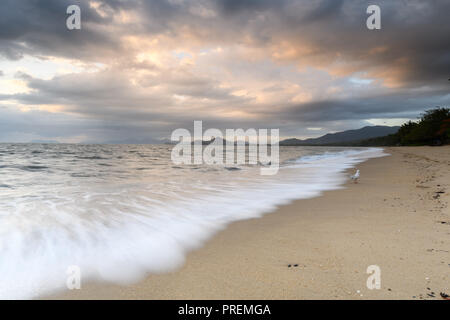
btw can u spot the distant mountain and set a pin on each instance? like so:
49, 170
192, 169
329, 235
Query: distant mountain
343, 137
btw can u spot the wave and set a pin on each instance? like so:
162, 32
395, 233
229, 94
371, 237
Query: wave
122, 235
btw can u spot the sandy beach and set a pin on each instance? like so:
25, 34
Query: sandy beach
397, 217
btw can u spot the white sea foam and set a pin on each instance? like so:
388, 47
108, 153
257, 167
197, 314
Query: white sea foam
121, 228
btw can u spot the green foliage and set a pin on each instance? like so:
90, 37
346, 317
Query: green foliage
407, 133
433, 128
389, 140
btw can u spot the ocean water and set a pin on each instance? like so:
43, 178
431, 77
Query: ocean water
121, 212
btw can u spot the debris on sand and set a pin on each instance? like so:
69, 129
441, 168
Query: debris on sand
445, 296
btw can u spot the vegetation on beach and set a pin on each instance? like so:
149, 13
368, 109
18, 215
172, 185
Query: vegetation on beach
433, 128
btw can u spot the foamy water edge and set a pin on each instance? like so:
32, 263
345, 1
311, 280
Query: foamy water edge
126, 250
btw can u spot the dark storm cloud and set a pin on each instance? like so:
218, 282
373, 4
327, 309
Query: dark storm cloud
325, 10
110, 89
412, 48
414, 40
408, 61
390, 106
232, 7
39, 27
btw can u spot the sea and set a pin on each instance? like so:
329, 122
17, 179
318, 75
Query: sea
119, 213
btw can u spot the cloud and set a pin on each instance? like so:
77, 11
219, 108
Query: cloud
292, 64
39, 27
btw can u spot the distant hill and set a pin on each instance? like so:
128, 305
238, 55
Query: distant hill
343, 137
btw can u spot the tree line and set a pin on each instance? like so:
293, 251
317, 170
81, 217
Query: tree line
433, 128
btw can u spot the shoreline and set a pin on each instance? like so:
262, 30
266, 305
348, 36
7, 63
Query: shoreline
392, 218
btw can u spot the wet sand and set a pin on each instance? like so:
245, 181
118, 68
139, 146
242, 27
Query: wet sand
397, 217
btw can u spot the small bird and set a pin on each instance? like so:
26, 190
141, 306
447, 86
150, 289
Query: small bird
355, 176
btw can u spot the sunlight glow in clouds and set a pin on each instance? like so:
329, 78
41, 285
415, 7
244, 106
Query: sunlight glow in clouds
139, 69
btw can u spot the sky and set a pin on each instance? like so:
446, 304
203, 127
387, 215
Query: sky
137, 70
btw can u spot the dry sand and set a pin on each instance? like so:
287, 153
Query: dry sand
393, 218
